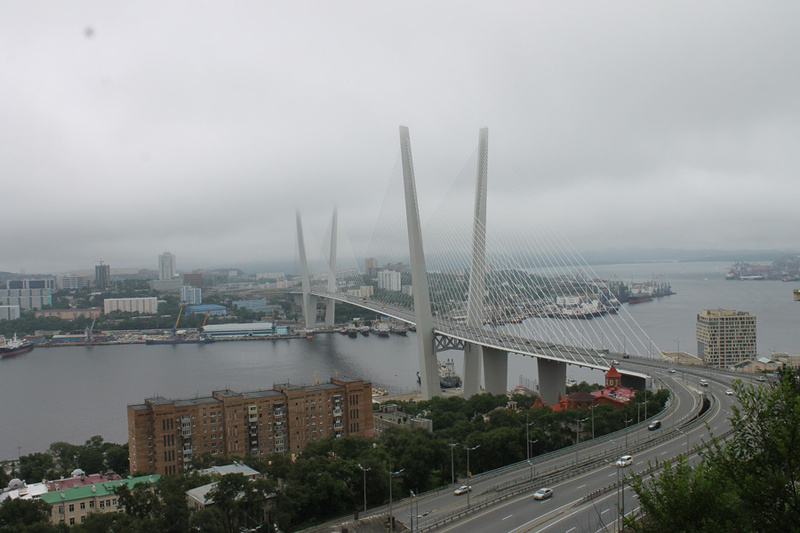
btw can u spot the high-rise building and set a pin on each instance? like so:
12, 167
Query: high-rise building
26, 299
164, 435
726, 337
371, 266
102, 276
389, 280
166, 266
191, 295
48, 283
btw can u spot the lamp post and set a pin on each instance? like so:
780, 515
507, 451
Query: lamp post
391, 516
591, 408
411, 510
469, 472
364, 470
621, 495
627, 421
578, 422
452, 475
530, 462
527, 437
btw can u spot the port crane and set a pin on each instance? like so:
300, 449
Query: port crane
89, 330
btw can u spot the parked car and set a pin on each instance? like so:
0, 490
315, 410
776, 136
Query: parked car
655, 424
542, 494
625, 460
463, 489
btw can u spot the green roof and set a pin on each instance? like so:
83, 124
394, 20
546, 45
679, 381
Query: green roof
100, 489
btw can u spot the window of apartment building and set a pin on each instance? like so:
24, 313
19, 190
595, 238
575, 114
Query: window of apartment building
71, 507
83, 505
102, 504
91, 504
72, 520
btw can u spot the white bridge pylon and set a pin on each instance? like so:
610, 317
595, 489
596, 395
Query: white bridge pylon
486, 351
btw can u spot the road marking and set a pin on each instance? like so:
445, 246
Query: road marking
581, 486
570, 529
601, 512
614, 474
509, 516
665, 451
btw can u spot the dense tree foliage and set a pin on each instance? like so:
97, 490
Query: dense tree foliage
94, 456
748, 482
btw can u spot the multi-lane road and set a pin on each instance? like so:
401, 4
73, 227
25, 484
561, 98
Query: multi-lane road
588, 486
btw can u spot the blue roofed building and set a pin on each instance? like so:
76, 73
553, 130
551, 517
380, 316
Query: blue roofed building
211, 309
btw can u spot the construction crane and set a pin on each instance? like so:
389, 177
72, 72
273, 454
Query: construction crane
175, 329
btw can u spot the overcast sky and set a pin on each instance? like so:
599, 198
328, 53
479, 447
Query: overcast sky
132, 128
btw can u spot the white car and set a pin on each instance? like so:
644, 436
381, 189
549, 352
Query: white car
542, 494
672, 370
625, 460
463, 489
729, 392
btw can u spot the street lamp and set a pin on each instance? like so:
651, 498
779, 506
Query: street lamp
530, 462
627, 421
452, 475
411, 510
578, 422
469, 472
621, 495
527, 437
391, 516
364, 470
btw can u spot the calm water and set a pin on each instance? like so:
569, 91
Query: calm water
70, 394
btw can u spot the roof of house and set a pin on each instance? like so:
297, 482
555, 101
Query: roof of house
97, 489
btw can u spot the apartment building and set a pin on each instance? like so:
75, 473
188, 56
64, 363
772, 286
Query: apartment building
164, 435
726, 337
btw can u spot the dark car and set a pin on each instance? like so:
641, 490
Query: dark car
655, 424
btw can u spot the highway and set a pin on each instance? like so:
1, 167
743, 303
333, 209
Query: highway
587, 497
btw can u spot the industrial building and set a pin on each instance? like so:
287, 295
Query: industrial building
726, 337
251, 329
164, 435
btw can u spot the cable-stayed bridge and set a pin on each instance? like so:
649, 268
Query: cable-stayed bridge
535, 296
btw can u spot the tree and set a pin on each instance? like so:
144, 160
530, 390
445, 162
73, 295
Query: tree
746, 483
18, 513
36, 467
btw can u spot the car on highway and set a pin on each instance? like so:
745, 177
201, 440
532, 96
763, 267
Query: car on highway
625, 460
704, 382
729, 392
761, 378
672, 370
463, 489
542, 494
654, 425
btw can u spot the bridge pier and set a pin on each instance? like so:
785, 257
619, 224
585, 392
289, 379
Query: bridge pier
552, 380
495, 370
472, 370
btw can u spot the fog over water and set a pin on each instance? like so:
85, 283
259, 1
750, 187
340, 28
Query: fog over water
70, 394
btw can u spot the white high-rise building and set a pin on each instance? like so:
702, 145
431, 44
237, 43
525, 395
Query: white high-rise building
166, 266
389, 280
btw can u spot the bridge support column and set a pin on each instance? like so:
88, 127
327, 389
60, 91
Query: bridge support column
495, 370
552, 380
477, 276
472, 370
428, 365
309, 313
330, 304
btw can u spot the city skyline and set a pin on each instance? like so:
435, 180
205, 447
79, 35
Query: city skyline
647, 126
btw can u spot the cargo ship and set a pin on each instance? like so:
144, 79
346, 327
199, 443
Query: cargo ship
12, 347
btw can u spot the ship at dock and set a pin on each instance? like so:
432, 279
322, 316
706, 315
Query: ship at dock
14, 346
